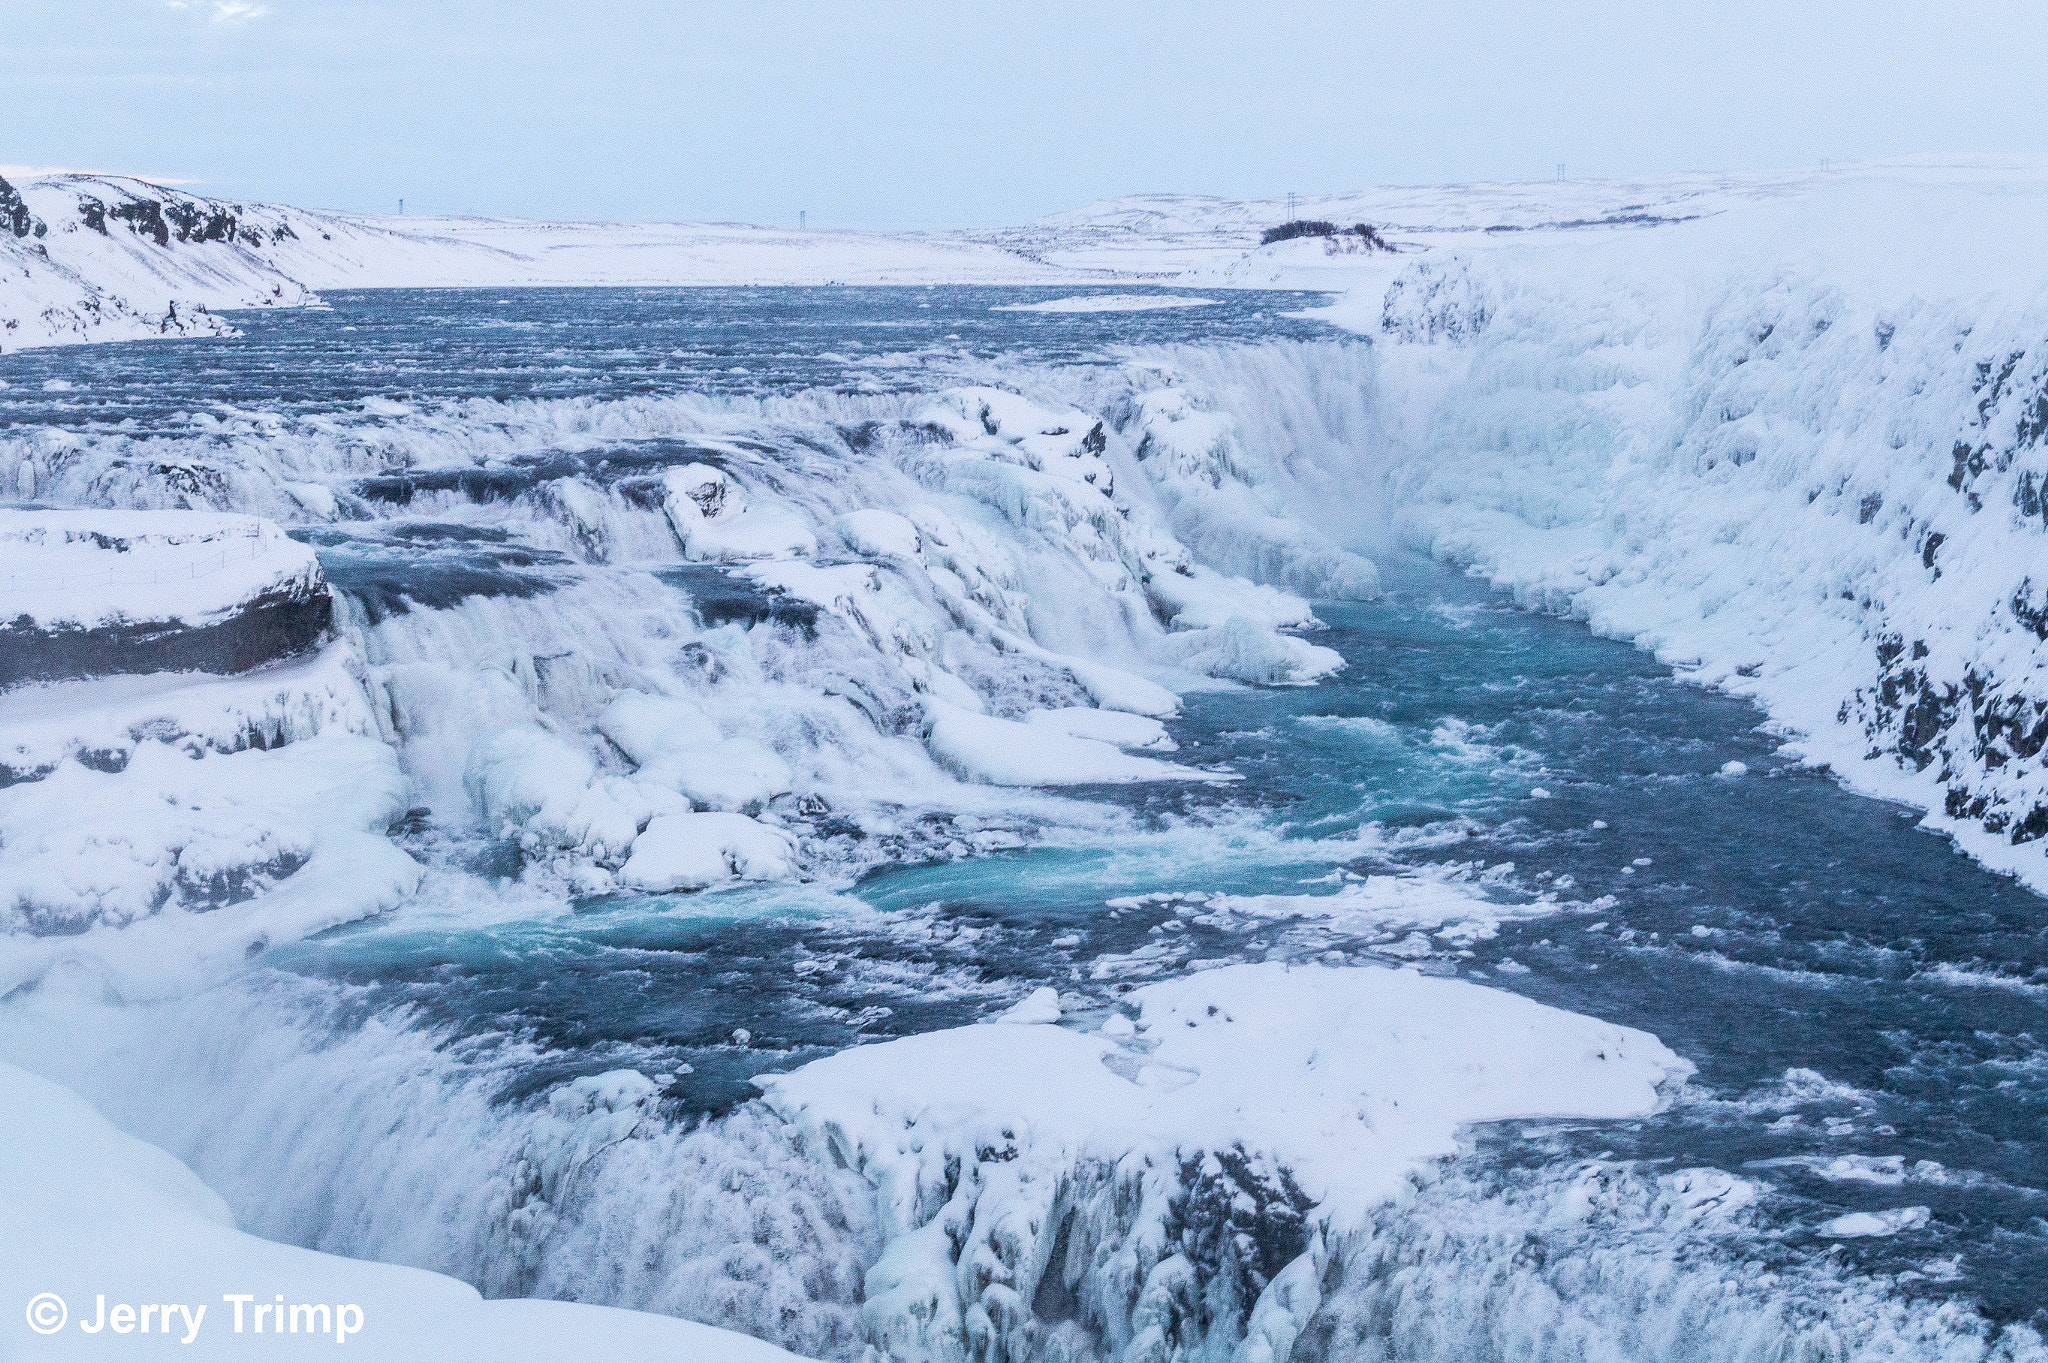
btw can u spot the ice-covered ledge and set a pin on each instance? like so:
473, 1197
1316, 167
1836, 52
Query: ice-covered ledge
1173, 1185
92, 593
88, 1213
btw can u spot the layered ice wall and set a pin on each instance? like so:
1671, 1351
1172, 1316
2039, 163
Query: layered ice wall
1796, 448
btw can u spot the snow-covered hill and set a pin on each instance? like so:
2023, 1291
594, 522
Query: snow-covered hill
104, 258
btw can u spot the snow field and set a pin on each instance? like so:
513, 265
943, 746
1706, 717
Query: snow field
79, 569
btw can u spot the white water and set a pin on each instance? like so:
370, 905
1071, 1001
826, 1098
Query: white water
330, 1118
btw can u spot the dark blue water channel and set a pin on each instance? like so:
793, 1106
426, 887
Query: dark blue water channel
436, 345
1848, 986
1868, 1010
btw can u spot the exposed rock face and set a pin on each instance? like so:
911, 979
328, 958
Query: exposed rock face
173, 218
273, 626
1977, 716
14, 214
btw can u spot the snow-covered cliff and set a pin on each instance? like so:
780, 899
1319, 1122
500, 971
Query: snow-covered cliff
1794, 446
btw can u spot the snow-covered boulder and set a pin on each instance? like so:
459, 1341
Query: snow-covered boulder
720, 522
1242, 650
1105, 726
879, 534
1005, 752
677, 746
695, 851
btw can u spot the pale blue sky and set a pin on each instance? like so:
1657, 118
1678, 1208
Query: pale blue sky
915, 114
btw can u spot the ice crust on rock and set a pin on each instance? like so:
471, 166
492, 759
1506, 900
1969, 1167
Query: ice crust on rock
692, 851
1399, 915
879, 534
718, 522
1184, 1190
1857, 1225
1106, 726
1005, 752
1107, 302
79, 569
160, 830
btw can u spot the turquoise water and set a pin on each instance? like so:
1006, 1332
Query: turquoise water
1781, 924
1868, 1011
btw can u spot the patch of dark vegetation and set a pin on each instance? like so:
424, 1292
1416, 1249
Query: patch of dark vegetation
1310, 227
110, 761
1299, 227
10, 776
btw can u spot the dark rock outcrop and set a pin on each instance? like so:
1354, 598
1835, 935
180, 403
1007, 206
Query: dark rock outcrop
14, 214
268, 628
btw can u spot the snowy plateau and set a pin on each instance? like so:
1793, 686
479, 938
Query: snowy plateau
266, 674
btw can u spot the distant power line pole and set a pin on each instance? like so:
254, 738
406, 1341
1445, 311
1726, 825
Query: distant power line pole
1560, 171
401, 208
801, 220
1290, 205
